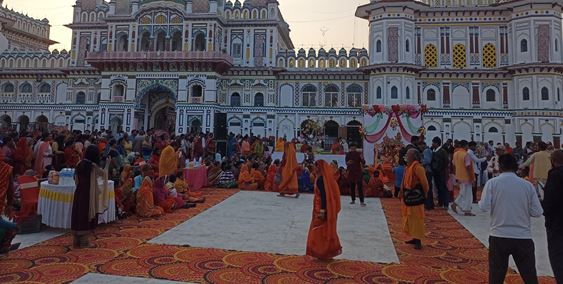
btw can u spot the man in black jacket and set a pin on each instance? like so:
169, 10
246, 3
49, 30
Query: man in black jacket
404, 150
439, 165
553, 211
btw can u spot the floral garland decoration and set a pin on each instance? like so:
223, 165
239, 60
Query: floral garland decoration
398, 110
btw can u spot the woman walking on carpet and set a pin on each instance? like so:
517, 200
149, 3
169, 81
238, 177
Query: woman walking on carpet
289, 184
90, 199
323, 242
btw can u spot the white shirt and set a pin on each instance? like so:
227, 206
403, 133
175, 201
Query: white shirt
512, 201
476, 161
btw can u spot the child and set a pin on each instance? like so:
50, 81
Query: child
227, 178
269, 185
398, 172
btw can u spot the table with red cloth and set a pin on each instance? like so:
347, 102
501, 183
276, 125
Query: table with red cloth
196, 177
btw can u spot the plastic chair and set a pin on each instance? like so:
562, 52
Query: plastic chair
29, 190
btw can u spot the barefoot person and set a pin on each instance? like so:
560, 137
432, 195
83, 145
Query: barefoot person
90, 199
413, 216
289, 184
323, 241
465, 176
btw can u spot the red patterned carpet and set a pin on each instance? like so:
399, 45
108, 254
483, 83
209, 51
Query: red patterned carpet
451, 255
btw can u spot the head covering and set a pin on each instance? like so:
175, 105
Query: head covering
168, 163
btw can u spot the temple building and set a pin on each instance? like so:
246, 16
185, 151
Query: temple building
488, 70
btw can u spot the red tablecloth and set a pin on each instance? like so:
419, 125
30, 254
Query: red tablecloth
196, 177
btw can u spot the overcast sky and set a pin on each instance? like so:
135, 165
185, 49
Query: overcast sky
306, 19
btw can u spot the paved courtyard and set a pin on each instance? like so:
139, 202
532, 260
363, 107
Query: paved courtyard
256, 237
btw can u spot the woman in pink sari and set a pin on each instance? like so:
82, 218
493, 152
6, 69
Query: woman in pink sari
43, 155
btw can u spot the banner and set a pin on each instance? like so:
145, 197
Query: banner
396, 124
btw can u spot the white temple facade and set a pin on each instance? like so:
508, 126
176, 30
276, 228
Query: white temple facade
488, 70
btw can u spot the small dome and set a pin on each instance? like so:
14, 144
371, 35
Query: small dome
291, 53
237, 4
322, 52
45, 20
353, 52
64, 51
229, 4
332, 52
312, 52
363, 52
301, 52
342, 52
55, 51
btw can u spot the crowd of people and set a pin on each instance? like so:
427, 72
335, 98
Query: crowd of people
147, 172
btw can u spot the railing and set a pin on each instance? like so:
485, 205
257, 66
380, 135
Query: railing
159, 56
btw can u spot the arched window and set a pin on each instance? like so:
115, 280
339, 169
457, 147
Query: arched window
122, 43
408, 93
489, 56
176, 44
524, 45
378, 46
199, 42
235, 100
145, 41
118, 92
544, 94
430, 56
26, 88
378, 93
197, 91
9, 88
525, 94
432, 128
491, 95
259, 100
161, 41
80, 98
460, 56
45, 88
354, 95
431, 95
558, 95
493, 130
556, 45
309, 96
407, 46
394, 93
331, 96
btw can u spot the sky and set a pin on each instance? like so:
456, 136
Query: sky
308, 21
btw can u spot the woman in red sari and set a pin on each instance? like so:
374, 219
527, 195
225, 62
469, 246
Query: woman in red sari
323, 242
23, 156
289, 166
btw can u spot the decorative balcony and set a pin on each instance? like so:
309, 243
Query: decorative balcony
161, 61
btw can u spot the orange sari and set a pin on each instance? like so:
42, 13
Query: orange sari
323, 241
168, 163
258, 177
269, 185
413, 216
145, 201
290, 167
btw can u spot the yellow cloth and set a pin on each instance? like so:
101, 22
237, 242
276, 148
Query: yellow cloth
168, 163
64, 197
462, 174
413, 216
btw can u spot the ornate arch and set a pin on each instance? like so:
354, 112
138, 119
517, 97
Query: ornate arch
154, 88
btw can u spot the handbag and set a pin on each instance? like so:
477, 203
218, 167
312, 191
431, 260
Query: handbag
414, 197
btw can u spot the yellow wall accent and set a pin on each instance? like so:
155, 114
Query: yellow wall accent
430, 56
460, 56
489, 56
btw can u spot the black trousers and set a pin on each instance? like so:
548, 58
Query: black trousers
442, 189
500, 249
555, 248
360, 191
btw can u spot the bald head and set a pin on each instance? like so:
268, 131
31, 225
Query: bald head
557, 158
412, 155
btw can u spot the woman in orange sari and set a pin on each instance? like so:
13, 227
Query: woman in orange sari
323, 242
289, 184
168, 162
145, 198
245, 179
413, 216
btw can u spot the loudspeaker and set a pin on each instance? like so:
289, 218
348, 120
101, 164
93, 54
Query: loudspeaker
221, 130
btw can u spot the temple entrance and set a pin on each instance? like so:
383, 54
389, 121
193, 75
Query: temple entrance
156, 109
